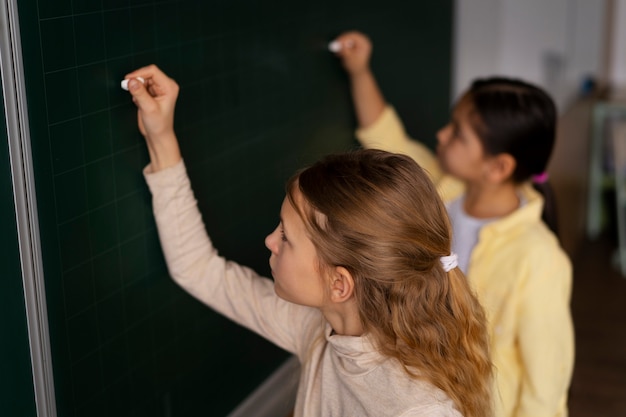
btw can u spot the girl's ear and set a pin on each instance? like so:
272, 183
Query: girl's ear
341, 285
501, 168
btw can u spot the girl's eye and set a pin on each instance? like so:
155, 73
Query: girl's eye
456, 133
282, 235
452, 129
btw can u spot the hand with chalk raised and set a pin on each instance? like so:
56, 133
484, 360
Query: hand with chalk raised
336, 46
353, 49
155, 94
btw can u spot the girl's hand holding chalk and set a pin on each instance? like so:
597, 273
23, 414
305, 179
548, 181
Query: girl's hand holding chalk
353, 50
125, 82
336, 45
155, 99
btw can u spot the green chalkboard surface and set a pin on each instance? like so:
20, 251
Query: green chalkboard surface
260, 96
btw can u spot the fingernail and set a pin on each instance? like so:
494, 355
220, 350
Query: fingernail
126, 84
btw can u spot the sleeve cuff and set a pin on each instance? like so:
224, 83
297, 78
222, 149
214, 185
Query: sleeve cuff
385, 131
165, 177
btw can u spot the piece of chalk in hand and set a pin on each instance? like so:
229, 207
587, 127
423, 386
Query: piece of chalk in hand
125, 83
334, 46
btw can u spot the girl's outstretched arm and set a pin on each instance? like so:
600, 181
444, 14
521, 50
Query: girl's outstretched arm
193, 262
156, 100
355, 51
379, 126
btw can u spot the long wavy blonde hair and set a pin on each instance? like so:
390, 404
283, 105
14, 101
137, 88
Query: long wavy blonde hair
378, 215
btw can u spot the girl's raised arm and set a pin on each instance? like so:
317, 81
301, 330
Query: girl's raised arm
354, 51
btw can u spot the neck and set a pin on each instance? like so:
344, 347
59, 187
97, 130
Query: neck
344, 319
488, 201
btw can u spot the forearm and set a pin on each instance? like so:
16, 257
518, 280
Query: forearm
185, 243
367, 97
164, 152
231, 289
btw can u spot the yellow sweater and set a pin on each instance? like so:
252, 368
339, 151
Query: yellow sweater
523, 279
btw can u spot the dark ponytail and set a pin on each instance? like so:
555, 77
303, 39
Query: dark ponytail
549, 214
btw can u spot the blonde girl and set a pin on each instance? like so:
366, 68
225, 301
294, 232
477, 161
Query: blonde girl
365, 291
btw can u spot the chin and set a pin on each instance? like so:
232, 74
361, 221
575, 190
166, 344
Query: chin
277, 290
444, 166
281, 294
282, 297
441, 160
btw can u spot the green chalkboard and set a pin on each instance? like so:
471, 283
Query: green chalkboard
260, 96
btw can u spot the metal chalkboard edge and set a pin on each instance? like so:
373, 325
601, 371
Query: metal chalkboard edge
15, 108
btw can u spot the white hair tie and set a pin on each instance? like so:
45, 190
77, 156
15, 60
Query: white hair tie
449, 262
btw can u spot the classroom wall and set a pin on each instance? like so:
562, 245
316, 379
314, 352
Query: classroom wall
260, 96
617, 70
556, 44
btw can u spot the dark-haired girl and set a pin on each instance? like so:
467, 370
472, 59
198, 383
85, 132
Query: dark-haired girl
499, 138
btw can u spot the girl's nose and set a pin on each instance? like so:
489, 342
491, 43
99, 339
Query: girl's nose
270, 241
443, 135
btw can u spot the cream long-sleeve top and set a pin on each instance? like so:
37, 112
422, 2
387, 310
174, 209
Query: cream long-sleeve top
341, 376
523, 280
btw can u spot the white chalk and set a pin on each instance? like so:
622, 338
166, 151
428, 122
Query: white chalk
334, 46
125, 83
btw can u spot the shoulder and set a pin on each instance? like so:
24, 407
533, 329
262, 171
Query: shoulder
432, 410
424, 399
528, 250
525, 233
539, 243
544, 269
533, 246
